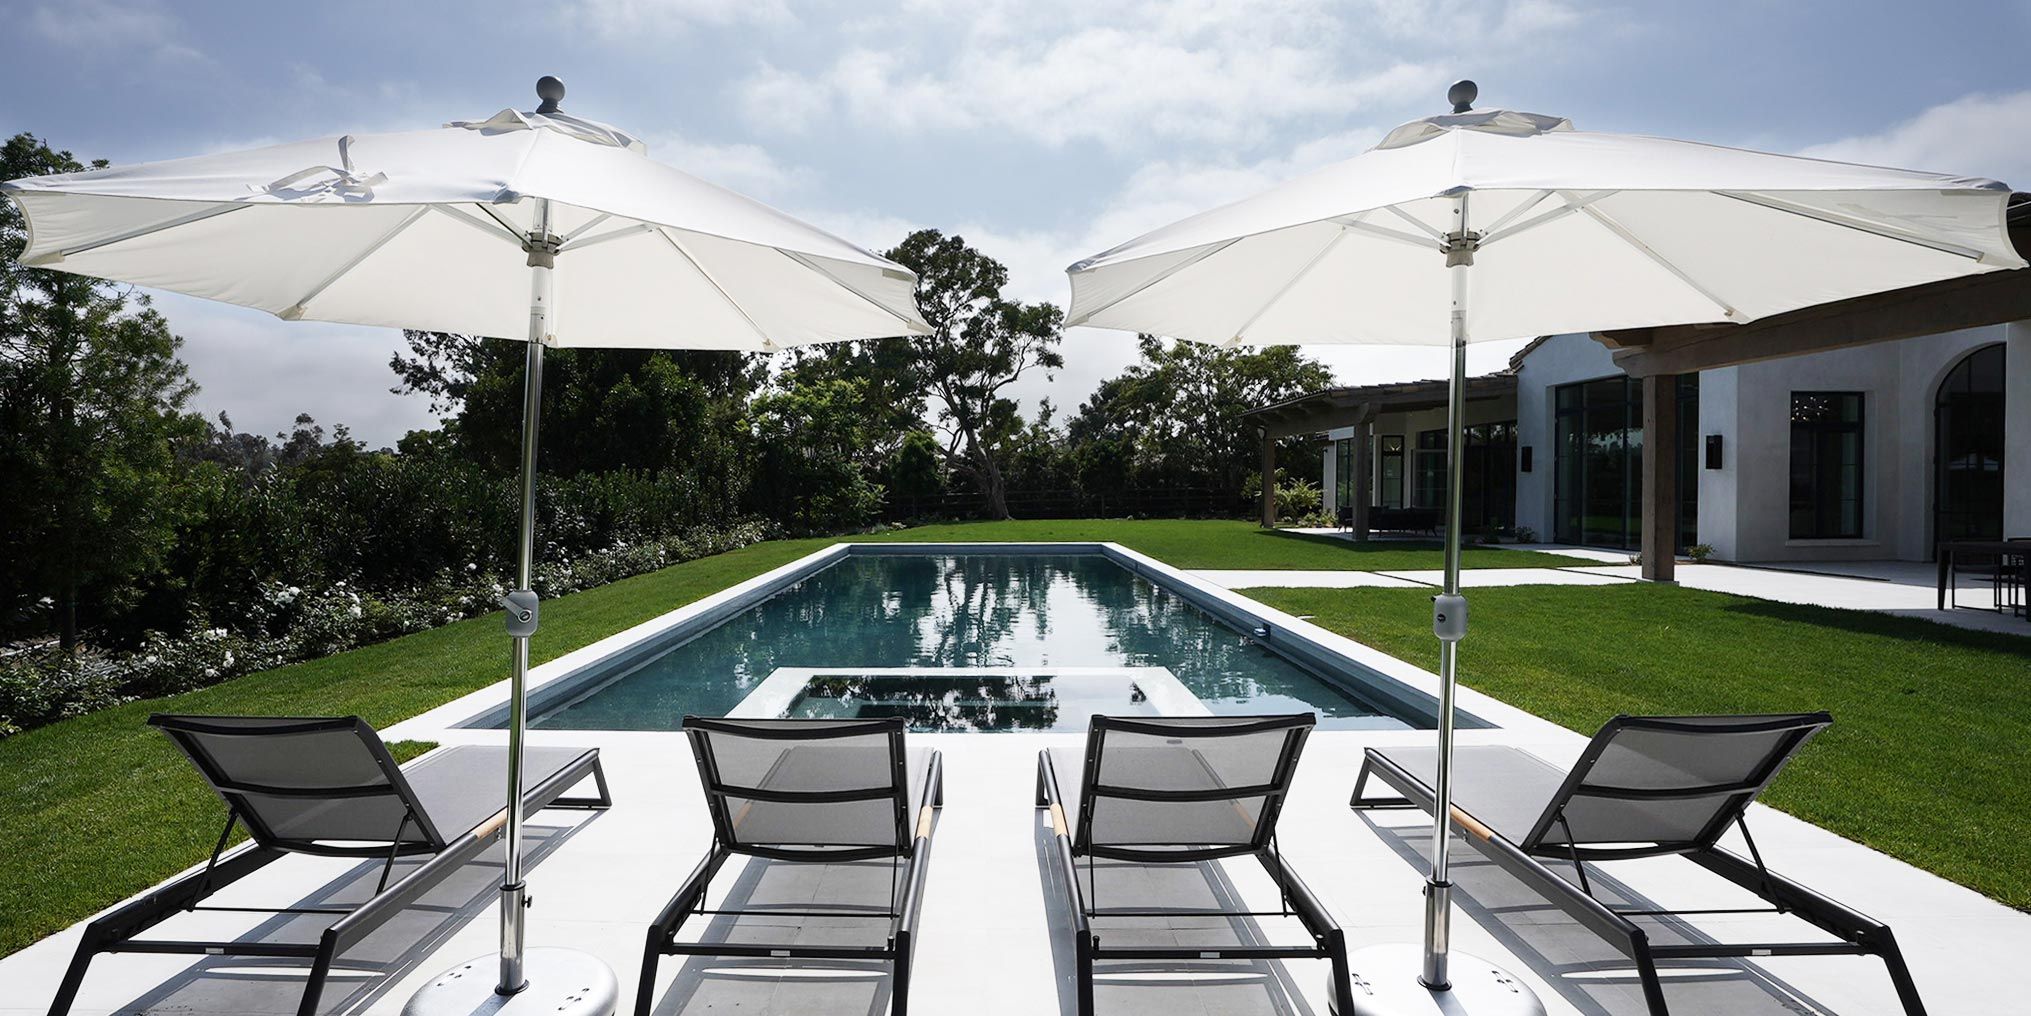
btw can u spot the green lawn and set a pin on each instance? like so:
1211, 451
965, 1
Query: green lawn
1932, 724
1197, 543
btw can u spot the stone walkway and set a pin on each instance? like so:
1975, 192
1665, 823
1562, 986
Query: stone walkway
1901, 588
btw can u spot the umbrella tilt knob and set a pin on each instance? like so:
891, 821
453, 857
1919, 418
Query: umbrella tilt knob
521, 607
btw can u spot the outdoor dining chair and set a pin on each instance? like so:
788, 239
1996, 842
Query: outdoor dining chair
328, 787
1176, 791
832, 798
1646, 786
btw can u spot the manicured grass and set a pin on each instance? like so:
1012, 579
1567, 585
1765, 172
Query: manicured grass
1932, 724
1201, 543
96, 808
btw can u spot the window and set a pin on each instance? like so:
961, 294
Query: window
1969, 427
1600, 463
1430, 489
1343, 473
1391, 458
1826, 465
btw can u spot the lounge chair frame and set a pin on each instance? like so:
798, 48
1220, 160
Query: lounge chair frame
912, 862
116, 931
1073, 841
1526, 860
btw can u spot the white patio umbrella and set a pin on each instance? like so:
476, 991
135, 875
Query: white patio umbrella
1483, 225
536, 225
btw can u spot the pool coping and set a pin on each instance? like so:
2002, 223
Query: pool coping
1399, 687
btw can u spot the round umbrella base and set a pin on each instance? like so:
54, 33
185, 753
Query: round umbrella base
1386, 984
562, 981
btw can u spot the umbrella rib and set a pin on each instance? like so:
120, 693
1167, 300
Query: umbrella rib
612, 234
1495, 228
506, 226
1397, 210
135, 234
1837, 219
1622, 233
1572, 204
1208, 252
484, 226
909, 326
1387, 233
295, 310
589, 223
767, 343
1285, 289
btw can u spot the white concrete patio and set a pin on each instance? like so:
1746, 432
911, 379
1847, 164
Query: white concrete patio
993, 936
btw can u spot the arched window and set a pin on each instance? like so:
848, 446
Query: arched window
1968, 469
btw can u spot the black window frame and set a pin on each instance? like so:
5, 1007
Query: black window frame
1384, 453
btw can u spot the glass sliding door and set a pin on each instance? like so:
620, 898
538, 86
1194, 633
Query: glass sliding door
1389, 456
1599, 475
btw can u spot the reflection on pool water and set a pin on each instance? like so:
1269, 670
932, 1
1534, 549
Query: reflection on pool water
889, 612
952, 703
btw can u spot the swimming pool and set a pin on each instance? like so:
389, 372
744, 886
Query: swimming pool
889, 609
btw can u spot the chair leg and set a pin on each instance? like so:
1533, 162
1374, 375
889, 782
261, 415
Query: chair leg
1085, 975
652, 954
899, 990
1900, 975
74, 975
320, 968
1343, 978
1653, 988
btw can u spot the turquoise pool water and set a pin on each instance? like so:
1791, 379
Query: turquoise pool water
961, 610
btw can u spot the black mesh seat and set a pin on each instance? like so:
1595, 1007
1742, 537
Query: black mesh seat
327, 786
838, 805
1145, 793
1646, 786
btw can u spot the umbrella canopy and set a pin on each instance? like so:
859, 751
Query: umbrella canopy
424, 229
1497, 224
1576, 231
536, 224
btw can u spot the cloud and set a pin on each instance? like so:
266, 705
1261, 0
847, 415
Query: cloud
1060, 72
263, 371
1974, 135
116, 27
633, 18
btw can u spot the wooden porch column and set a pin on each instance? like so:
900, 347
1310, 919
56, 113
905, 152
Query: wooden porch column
1268, 480
1660, 477
1364, 478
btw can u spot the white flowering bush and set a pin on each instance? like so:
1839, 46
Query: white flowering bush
290, 622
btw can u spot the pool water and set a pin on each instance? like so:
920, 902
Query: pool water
884, 612
953, 703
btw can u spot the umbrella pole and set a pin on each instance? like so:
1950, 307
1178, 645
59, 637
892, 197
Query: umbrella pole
1449, 618
1473, 987
573, 983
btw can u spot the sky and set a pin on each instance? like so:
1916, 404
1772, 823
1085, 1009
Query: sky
1040, 130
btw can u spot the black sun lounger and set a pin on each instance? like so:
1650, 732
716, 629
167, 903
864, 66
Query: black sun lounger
1180, 791
818, 792
1646, 786
327, 786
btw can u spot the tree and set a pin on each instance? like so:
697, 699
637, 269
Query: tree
917, 471
603, 409
1174, 419
91, 400
808, 439
980, 344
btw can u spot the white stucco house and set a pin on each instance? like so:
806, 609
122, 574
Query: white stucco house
1872, 451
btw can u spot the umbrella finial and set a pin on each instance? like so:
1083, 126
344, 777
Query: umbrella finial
551, 91
1461, 95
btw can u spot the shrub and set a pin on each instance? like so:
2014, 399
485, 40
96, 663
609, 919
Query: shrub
44, 684
1525, 534
1699, 552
